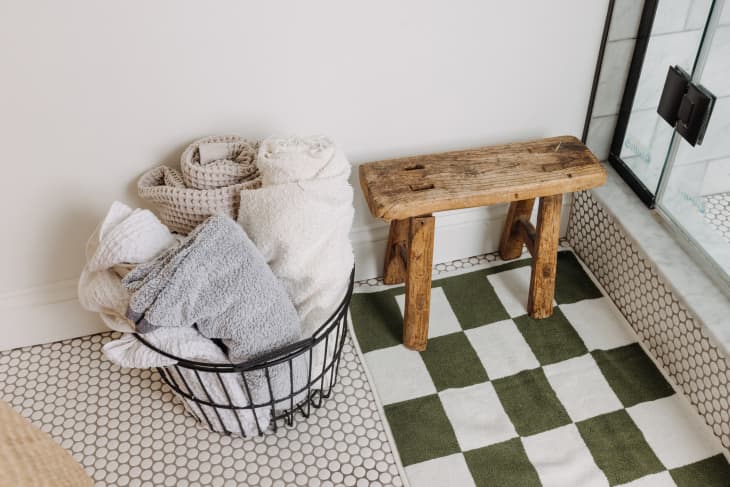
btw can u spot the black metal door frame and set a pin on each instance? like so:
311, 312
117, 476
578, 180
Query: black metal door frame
632, 81
637, 61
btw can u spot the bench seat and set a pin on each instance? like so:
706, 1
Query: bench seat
408, 190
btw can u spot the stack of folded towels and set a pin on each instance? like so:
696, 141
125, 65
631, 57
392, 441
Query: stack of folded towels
221, 290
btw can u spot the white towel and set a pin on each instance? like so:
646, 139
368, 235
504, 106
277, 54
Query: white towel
128, 351
300, 220
128, 236
125, 236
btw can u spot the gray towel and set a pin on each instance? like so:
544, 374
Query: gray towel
219, 281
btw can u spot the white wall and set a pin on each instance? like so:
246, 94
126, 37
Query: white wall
93, 93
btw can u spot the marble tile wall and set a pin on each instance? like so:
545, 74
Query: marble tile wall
664, 50
712, 159
716, 177
695, 19
614, 71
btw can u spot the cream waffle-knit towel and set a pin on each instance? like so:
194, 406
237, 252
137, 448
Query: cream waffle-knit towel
219, 161
182, 208
300, 220
214, 171
125, 236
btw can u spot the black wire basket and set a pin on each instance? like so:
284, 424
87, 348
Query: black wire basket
256, 396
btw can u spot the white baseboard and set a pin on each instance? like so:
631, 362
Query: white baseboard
51, 312
44, 314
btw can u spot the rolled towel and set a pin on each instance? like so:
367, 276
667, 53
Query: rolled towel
124, 237
218, 281
182, 208
300, 219
214, 171
218, 161
129, 352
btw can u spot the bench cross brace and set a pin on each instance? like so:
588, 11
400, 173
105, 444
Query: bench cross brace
541, 242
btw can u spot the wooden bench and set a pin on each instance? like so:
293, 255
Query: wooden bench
407, 191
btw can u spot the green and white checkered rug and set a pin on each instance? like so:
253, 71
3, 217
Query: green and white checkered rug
500, 399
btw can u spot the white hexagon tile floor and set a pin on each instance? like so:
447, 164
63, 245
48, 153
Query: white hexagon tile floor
717, 213
127, 429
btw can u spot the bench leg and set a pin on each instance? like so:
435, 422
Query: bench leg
511, 242
418, 282
394, 271
545, 257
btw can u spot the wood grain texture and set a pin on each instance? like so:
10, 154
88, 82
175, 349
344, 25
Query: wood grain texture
512, 239
411, 186
418, 283
394, 271
527, 234
545, 257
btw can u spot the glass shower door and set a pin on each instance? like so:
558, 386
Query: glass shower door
695, 189
668, 36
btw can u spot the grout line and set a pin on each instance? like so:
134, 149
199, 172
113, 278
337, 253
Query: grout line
619, 39
609, 115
